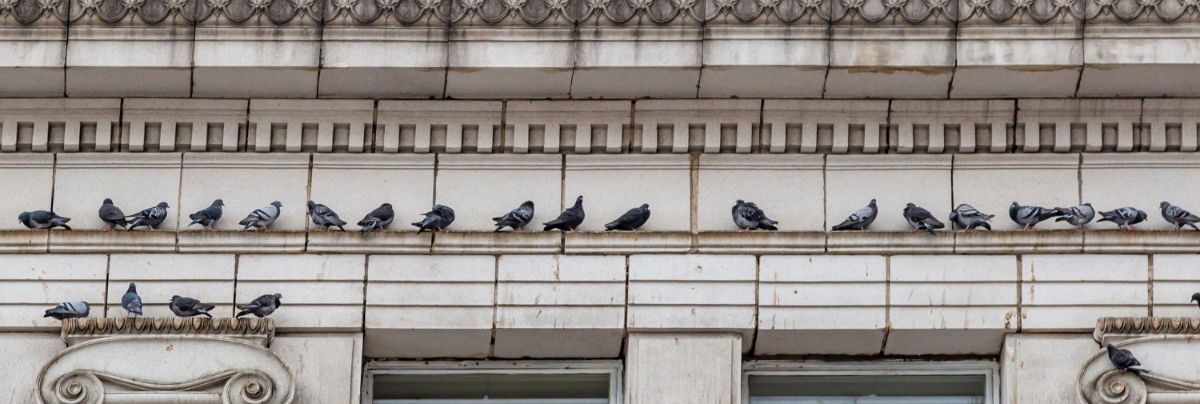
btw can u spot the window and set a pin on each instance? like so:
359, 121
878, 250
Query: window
492, 382
881, 382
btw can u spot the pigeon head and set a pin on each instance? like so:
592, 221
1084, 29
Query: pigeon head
108, 201
175, 297
132, 288
909, 205
310, 203
741, 202
277, 204
278, 295
1195, 297
527, 203
872, 202
163, 205
645, 206
386, 204
23, 217
1163, 205
1110, 348
218, 202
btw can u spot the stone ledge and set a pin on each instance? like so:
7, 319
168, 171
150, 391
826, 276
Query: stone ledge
388, 242
118, 241
761, 242
257, 330
890, 242
238, 242
488, 242
1017, 242
24, 241
627, 242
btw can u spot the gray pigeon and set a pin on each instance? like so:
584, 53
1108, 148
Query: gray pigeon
111, 215
1029, 216
969, 218
747, 216
569, 219
262, 306
65, 310
1123, 217
149, 217
1078, 216
631, 220
860, 219
261, 218
43, 220
378, 219
208, 216
188, 307
131, 301
1124, 360
437, 219
1178, 216
324, 217
517, 218
921, 219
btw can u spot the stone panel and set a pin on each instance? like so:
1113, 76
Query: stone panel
1163, 58
134, 182
256, 59
893, 180
1025, 57
778, 61
692, 293
992, 182
430, 306
626, 61
354, 185
247, 182
27, 181
382, 60
1174, 282
327, 367
821, 305
1043, 368
489, 61
130, 58
611, 185
33, 51
1069, 292
951, 304
789, 189
30, 284
480, 187
560, 306
320, 292
1144, 181
657, 363
890, 59
205, 277
26, 353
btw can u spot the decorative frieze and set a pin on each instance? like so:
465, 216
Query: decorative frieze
259, 331
950, 126
708, 126
1074, 125
566, 126
321, 126
438, 126
183, 124
59, 124
833, 126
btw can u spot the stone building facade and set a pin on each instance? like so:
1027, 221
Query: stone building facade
809, 108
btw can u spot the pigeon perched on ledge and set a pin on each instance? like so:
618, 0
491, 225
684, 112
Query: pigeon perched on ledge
150, 217
1124, 360
1029, 216
65, 310
517, 218
1178, 216
1196, 298
921, 219
569, 219
860, 219
1078, 216
1123, 217
262, 306
378, 219
437, 219
208, 216
188, 307
969, 218
111, 215
324, 217
43, 220
131, 302
631, 220
748, 216
262, 218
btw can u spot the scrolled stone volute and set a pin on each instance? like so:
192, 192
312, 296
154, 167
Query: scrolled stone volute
1174, 375
1119, 387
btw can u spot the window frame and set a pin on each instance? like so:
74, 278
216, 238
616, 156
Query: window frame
613, 368
990, 370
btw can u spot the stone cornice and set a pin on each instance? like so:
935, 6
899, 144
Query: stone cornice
256, 330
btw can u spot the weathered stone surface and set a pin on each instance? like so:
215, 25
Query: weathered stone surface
28, 352
237, 241
482, 187
526, 242
1069, 292
893, 180
320, 292
790, 189
354, 185
826, 304
247, 182
611, 185
692, 292
1034, 367
27, 178
1146, 180
30, 284
992, 182
119, 241
327, 367
1174, 281
205, 277
763, 242
636, 242
654, 363
141, 181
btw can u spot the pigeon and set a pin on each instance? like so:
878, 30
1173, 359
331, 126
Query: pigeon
1078, 216
1178, 216
1124, 360
631, 220
43, 220
261, 218
747, 216
149, 217
921, 219
1029, 216
1123, 217
188, 307
860, 219
437, 219
65, 310
208, 216
111, 215
967, 217
517, 218
131, 301
378, 219
262, 306
1196, 298
569, 219
324, 217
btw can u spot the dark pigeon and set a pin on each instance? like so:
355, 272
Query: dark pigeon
111, 215
43, 220
631, 220
262, 306
208, 216
860, 219
1124, 360
131, 301
188, 307
569, 219
1178, 216
65, 310
1029, 216
969, 218
1078, 216
747, 216
262, 218
437, 219
378, 219
921, 219
324, 217
150, 217
1123, 217
517, 218
1196, 298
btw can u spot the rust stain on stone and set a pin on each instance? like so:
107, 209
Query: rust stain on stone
170, 347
